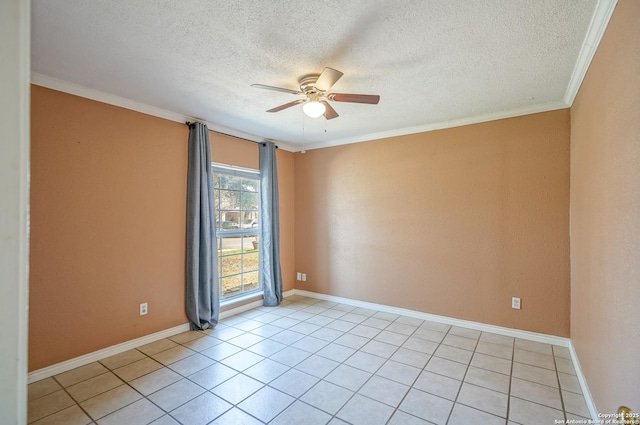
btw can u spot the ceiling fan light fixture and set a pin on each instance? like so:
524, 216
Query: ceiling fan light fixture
315, 89
313, 108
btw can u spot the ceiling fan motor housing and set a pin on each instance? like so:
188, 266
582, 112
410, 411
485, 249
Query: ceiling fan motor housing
307, 83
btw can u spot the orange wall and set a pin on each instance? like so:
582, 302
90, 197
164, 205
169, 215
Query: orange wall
605, 216
108, 193
452, 222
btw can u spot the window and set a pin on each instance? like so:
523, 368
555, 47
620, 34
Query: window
236, 196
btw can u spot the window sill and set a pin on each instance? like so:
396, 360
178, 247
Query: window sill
241, 300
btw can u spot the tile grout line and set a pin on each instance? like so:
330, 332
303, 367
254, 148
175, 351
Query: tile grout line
356, 392
77, 403
233, 405
468, 367
334, 416
141, 394
513, 360
159, 389
298, 398
463, 377
357, 350
555, 364
166, 386
417, 377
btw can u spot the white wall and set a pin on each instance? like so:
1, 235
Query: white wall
14, 202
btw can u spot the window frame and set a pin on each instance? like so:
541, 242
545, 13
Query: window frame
217, 168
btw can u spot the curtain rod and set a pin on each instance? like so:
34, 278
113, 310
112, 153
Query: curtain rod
188, 124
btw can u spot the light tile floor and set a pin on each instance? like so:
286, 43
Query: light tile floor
318, 362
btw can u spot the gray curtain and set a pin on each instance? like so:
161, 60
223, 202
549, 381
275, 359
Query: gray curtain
270, 226
203, 299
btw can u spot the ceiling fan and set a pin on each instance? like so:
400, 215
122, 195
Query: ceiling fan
314, 88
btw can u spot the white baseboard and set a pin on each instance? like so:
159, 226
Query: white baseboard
583, 385
85, 359
517, 333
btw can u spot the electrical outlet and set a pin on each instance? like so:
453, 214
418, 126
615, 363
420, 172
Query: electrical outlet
143, 309
515, 303
299, 276
304, 277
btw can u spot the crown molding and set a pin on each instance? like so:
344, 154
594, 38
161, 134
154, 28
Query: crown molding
527, 110
599, 22
99, 96
110, 99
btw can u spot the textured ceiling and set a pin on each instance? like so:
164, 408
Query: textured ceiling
430, 61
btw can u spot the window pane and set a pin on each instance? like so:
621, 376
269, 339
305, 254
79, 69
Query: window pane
228, 244
231, 264
230, 220
231, 286
229, 199
250, 262
250, 185
250, 201
251, 281
250, 220
250, 243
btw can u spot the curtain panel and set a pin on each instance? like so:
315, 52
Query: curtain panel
270, 230
202, 296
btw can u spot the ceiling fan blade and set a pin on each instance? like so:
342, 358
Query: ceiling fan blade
329, 112
327, 79
286, 105
262, 86
371, 99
